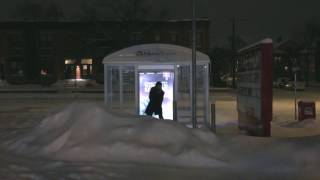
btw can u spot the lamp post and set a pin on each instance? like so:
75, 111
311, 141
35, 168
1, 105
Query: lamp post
194, 66
295, 70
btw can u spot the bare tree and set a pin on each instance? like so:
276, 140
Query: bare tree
310, 35
129, 15
221, 65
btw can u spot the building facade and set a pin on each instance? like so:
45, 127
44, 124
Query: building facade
33, 51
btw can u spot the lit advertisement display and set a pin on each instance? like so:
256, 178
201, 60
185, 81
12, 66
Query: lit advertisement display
147, 80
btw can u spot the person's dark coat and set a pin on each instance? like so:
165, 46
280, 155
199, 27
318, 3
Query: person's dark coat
156, 98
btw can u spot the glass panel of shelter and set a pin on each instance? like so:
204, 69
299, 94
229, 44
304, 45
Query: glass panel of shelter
200, 94
113, 86
183, 97
128, 80
183, 93
121, 87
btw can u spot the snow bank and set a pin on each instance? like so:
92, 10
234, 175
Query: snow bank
89, 132
309, 127
308, 123
86, 140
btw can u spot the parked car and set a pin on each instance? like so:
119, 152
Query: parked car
228, 80
281, 82
300, 85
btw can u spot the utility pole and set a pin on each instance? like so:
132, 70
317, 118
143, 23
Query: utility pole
234, 21
194, 66
295, 96
295, 70
233, 49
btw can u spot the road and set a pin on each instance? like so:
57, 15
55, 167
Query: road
25, 110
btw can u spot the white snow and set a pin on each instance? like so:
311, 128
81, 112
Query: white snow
263, 41
88, 141
88, 132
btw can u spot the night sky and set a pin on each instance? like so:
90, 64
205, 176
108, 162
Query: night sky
261, 18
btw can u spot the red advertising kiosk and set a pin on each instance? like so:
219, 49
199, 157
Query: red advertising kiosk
306, 110
254, 93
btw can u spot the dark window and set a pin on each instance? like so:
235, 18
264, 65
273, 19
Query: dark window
199, 39
46, 39
173, 37
16, 66
46, 65
2, 70
157, 37
136, 37
16, 40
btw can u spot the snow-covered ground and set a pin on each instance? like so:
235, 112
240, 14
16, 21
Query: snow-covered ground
53, 136
283, 124
87, 141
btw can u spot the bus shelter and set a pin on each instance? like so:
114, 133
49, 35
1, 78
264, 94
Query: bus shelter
130, 73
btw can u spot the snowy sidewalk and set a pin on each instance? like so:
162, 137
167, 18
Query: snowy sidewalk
33, 88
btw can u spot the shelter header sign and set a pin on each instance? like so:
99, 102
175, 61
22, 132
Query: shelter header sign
254, 94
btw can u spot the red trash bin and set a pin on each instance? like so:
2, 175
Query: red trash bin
306, 110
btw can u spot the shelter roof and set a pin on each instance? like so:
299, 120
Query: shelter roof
155, 54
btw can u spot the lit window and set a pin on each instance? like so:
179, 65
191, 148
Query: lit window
84, 67
86, 61
43, 72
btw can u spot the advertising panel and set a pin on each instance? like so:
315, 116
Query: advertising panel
147, 80
254, 93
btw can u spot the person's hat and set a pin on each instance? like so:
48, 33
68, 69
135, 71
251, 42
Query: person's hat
159, 83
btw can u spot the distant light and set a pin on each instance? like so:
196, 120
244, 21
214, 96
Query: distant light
69, 61
43, 72
77, 80
78, 72
86, 61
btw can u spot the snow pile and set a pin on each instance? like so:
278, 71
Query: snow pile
308, 123
286, 129
89, 132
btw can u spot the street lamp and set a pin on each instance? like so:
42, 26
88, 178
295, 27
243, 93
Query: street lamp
194, 66
295, 70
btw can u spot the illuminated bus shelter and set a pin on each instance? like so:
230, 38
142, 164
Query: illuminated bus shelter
129, 74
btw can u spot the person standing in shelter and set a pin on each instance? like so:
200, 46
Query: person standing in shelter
156, 97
